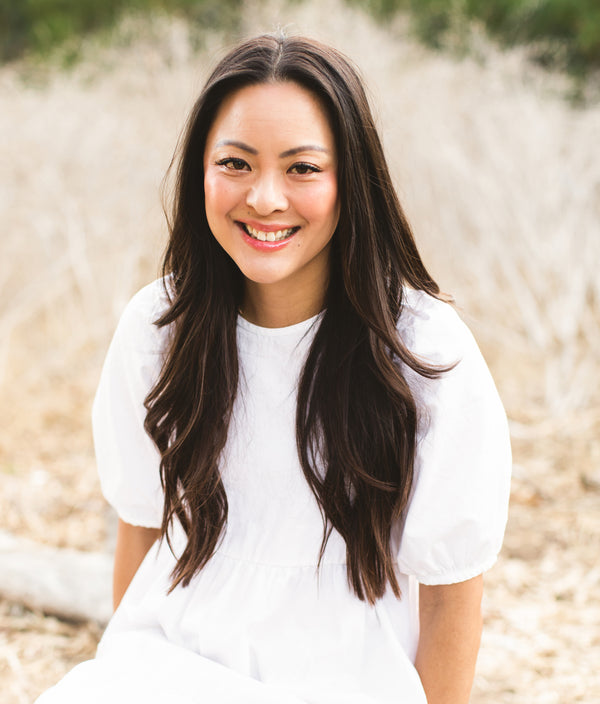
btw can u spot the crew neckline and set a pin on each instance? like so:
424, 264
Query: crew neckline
302, 327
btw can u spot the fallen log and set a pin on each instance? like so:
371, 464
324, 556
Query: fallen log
71, 584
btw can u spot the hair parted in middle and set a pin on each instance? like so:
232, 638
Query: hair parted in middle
356, 418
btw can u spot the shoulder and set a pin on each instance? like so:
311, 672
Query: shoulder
149, 303
433, 332
432, 329
136, 327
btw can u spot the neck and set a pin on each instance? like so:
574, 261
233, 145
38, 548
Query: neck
266, 305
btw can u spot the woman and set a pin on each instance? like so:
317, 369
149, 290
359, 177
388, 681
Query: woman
306, 450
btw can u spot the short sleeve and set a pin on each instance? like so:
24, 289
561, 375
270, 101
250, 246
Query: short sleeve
127, 459
455, 521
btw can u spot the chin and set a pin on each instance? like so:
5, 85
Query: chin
263, 274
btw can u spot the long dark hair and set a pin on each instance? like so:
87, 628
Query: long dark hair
356, 417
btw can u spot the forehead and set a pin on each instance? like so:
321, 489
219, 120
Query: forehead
276, 112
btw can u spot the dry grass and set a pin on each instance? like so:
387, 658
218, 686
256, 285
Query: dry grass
36, 650
500, 180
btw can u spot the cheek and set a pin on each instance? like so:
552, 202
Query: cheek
219, 197
323, 203
212, 195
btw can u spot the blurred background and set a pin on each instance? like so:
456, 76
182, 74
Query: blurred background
490, 115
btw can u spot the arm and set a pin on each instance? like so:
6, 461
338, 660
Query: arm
133, 542
450, 617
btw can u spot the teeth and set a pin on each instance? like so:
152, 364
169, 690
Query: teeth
269, 236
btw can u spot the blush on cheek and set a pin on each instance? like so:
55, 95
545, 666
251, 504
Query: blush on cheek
219, 194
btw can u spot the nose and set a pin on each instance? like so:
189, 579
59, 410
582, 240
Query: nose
267, 194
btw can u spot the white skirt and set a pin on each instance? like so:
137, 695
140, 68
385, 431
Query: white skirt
248, 633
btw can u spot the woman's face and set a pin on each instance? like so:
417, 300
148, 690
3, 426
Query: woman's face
270, 184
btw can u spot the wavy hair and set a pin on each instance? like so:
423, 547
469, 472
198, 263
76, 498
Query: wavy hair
356, 417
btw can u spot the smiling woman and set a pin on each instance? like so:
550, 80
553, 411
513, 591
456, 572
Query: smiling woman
270, 185
298, 417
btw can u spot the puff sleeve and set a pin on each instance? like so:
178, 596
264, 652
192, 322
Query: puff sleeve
127, 459
454, 525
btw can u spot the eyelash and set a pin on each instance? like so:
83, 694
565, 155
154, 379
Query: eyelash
232, 163
307, 168
236, 164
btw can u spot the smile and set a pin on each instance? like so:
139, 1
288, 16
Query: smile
272, 236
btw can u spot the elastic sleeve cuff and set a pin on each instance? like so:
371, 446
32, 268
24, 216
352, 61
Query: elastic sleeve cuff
456, 575
139, 518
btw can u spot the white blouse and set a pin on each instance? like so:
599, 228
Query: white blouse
259, 614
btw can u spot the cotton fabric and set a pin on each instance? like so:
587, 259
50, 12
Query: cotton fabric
260, 622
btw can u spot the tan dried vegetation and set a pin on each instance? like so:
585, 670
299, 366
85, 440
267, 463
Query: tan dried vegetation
501, 179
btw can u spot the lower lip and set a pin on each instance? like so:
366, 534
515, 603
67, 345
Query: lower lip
265, 246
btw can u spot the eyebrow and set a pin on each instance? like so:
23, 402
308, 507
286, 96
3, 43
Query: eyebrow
239, 145
303, 148
288, 152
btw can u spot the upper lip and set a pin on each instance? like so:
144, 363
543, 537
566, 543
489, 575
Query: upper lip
263, 227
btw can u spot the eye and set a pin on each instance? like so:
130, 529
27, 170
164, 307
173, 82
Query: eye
233, 163
303, 168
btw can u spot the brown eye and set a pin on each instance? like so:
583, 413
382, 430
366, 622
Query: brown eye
233, 163
303, 168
